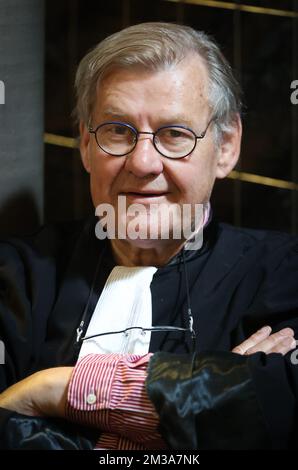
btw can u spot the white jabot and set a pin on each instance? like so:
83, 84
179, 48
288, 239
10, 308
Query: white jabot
124, 302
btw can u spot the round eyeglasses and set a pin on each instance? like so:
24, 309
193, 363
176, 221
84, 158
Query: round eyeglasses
119, 139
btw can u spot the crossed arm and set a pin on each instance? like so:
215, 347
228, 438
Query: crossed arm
44, 393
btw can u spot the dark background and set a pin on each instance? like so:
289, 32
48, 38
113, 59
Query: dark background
262, 48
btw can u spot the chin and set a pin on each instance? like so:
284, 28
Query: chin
144, 234
143, 244
149, 244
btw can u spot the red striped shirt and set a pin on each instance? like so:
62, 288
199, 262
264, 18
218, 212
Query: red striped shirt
108, 391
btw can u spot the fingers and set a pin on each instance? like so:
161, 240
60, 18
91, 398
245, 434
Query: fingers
253, 340
262, 341
284, 346
281, 342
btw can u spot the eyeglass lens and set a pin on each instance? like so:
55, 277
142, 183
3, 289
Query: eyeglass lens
119, 139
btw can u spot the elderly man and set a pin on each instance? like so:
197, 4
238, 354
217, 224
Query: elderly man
178, 348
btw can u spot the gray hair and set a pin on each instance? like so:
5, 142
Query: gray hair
155, 47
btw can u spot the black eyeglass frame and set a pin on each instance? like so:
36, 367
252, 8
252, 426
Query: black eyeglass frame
137, 133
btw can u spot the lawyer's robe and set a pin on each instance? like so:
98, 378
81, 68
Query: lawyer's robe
240, 280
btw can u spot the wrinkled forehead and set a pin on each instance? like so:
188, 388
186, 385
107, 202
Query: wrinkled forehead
181, 88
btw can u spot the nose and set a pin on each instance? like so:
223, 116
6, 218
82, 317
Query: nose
144, 160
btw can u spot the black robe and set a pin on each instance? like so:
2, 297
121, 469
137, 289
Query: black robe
239, 281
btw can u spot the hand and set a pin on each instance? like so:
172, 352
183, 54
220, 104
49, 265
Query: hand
281, 342
41, 394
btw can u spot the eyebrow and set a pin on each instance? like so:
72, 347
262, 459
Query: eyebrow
114, 112
175, 119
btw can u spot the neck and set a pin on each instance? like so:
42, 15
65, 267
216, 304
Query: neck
127, 254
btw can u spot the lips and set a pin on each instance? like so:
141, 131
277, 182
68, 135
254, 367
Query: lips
144, 194
145, 197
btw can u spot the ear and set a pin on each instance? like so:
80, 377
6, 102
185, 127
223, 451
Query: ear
229, 149
84, 146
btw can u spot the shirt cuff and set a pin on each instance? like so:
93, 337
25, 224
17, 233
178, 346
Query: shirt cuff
108, 391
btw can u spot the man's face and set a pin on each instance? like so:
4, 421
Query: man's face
147, 101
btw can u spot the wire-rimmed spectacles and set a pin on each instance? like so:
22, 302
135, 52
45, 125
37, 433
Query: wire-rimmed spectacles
161, 328
118, 139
